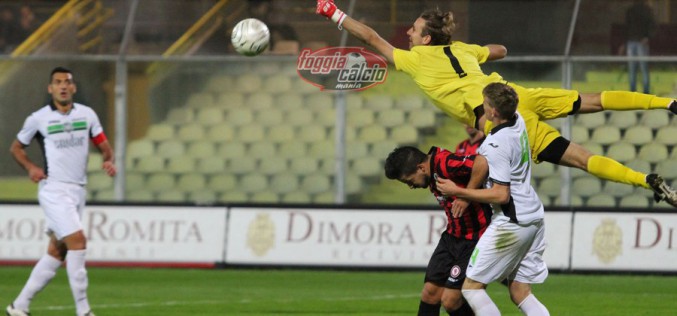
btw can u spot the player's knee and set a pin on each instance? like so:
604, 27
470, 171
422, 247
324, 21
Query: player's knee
452, 300
431, 293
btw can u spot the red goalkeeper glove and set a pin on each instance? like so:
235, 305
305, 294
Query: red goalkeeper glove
328, 9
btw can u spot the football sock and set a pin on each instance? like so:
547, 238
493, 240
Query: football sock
625, 100
42, 273
481, 303
77, 277
464, 310
425, 309
531, 306
609, 169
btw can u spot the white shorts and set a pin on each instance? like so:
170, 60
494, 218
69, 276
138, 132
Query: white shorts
509, 250
62, 204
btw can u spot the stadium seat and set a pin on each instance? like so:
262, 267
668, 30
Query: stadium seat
233, 197
390, 118
421, 119
299, 117
250, 133
328, 166
200, 100
543, 170
160, 182
134, 181
95, 162
160, 132
667, 135
284, 183
253, 182
634, 200
292, 149
240, 116
366, 166
653, 152
304, 165
606, 135
181, 115
575, 201
261, 150
191, 182
290, 100
191, 132
379, 102
202, 197
281, 133
382, 149
248, 83
556, 123
211, 165
590, 120
667, 168
221, 182
201, 149
617, 189
219, 83
655, 118
586, 186
140, 196
601, 200
170, 148
315, 183
325, 116
594, 147
150, 164
639, 165
638, 135
259, 101
140, 148
349, 135
272, 165
171, 196
622, 151
411, 103
360, 117
102, 195
230, 100
324, 198
317, 101
372, 134
269, 117
312, 133
354, 101
266, 197
221, 133
623, 119
296, 198
404, 134
550, 186
277, 83
180, 164
99, 181
579, 134
231, 150
209, 116
356, 150
353, 184
241, 166
322, 149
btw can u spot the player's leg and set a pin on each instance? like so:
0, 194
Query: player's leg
532, 269
435, 277
452, 299
43, 272
521, 295
76, 242
431, 296
624, 101
476, 295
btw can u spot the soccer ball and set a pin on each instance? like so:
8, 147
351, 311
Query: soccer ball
250, 37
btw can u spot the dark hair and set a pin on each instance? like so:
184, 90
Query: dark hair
502, 97
403, 161
59, 70
439, 25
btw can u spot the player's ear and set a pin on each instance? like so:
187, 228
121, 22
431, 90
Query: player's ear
425, 40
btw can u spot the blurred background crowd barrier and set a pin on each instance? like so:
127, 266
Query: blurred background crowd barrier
192, 122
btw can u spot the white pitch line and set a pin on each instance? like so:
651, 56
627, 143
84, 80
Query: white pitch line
217, 302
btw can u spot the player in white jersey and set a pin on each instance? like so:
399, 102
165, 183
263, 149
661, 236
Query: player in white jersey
512, 246
63, 129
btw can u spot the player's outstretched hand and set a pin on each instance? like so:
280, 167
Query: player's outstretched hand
109, 168
458, 207
326, 8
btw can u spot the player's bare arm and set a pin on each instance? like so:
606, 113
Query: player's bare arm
18, 151
360, 30
497, 194
480, 170
108, 158
496, 51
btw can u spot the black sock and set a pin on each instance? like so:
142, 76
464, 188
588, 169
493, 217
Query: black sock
425, 309
464, 310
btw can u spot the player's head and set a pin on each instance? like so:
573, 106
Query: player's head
61, 86
433, 27
500, 101
408, 165
471, 131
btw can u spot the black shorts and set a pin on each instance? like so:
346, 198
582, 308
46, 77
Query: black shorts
448, 263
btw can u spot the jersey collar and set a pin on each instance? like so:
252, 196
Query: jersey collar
510, 122
54, 108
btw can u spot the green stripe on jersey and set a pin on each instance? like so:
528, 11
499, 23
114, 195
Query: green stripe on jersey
80, 125
53, 129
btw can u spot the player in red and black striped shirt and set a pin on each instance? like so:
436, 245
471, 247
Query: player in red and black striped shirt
469, 145
466, 221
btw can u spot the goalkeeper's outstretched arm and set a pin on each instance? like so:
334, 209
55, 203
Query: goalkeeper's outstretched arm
358, 29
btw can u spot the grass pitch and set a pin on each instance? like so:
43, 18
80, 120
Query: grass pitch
170, 292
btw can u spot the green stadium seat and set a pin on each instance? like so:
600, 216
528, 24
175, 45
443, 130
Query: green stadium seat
421, 118
171, 196
324, 198
366, 166
299, 117
591, 120
382, 149
317, 101
191, 182
265, 197
284, 183
103, 195
575, 201
261, 150
180, 164
273, 165
134, 181
170, 148
312, 133
354, 101
634, 200
315, 183
248, 83
623, 119
191, 132
222, 182
606, 134
322, 149
201, 149
349, 135
390, 118
253, 182
579, 134
209, 116
601, 200
220, 133
290, 100
99, 181
667, 168
231, 150
281, 133
202, 197
296, 198
140, 196
543, 170
277, 83
140, 148
269, 117
594, 147
230, 100
181, 115
233, 197
372, 134
250, 133
412, 103
150, 164
304, 165
241, 166
160, 182
360, 117
655, 118
586, 186
404, 134
219, 83
653, 152
638, 135
353, 184
622, 151
325, 116
550, 186
160, 132
94, 162
379, 102
200, 100
356, 150
292, 149
617, 189
240, 116
259, 101
667, 135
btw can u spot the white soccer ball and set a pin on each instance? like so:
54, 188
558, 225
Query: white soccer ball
250, 37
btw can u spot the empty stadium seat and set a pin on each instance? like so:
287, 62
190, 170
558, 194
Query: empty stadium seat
312, 133
265, 197
209, 116
319, 101
379, 102
94, 162
638, 135
326, 116
219, 83
221, 133
202, 197
211, 165
550, 186
277, 83
360, 117
150, 164
382, 149
574, 201
181, 115
353, 184
99, 181
354, 101
412, 103
618, 189
281, 133
261, 150
240, 116
160, 132
140, 196
601, 200
579, 134
269, 117
248, 83
372, 133
622, 151
390, 118
230, 100
594, 147
623, 119
171, 196
231, 150
653, 152
269, 166
201, 148
250, 133
667, 135
303, 165
655, 118
170, 148
606, 134
324, 198
405, 134
140, 148
134, 181
160, 182
421, 119
180, 164
200, 100
233, 197
586, 186
543, 170
241, 166
259, 101
634, 200
299, 117
350, 134
366, 166
289, 100
191, 182
221, 182
296, 197
284, 183
191, 132
667, 169
254, 182
322, 149
315, 183
590, 120
293, 149
355, 150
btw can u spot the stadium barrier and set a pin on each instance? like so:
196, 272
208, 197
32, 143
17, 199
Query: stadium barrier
329, 237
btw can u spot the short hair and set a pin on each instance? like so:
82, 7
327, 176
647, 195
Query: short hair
403, 161
439, 25
502, 97
59, 70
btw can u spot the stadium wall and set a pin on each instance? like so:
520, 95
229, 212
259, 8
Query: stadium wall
329, 237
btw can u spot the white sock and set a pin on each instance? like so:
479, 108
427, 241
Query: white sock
531, 306
77, 277
481, 303
43, 272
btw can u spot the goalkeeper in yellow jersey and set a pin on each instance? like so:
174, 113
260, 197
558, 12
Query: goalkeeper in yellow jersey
449, 73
